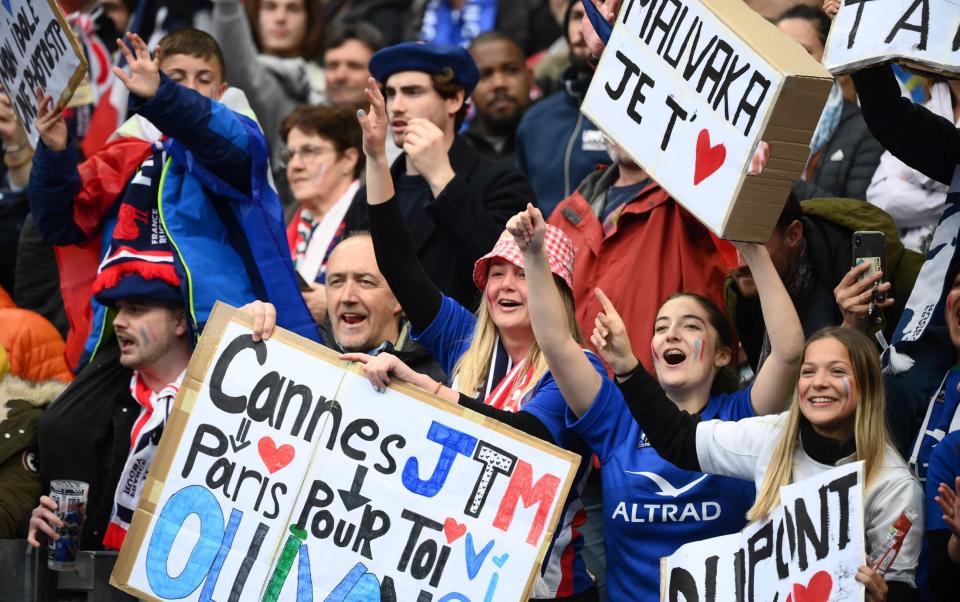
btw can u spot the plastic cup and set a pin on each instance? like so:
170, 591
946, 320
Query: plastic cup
71, 499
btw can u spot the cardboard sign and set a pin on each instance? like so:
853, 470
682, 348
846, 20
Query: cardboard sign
688, 88
37, 50
283, 475
809, 548
918, 33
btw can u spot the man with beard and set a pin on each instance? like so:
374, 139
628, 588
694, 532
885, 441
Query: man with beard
500, 98
556, 145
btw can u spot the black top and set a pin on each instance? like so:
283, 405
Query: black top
450, 232
911, 132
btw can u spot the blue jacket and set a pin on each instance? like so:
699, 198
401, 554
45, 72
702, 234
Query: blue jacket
557, 146
216, 203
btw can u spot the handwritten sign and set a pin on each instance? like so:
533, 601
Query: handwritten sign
919, 33
688, 88
37, 50
809, 548
283, 475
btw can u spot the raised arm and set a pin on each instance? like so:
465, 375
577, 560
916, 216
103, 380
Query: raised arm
575, 375
392, 243
221, 142
777, 377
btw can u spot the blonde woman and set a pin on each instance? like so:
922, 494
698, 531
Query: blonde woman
495, 364
837, 416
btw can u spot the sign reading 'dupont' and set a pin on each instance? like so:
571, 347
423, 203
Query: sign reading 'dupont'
689, 88
923, 33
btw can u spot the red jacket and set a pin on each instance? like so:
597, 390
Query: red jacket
34, 347
656, 249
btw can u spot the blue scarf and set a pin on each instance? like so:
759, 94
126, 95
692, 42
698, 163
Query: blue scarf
443, 25
828, 119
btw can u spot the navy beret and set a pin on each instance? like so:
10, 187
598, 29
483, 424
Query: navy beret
429, 58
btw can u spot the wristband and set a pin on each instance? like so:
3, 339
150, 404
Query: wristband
439, 386
627, 374
593, 60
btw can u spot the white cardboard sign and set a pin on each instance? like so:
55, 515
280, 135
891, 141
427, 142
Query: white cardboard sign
809, 548
37, 49
684, 91
922, 33
283, 475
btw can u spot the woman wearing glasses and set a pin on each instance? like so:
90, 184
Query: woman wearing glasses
323, 158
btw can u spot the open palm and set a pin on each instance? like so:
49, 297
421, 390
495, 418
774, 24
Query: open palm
144, 78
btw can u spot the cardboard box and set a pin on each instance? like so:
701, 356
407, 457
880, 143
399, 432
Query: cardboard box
689, 88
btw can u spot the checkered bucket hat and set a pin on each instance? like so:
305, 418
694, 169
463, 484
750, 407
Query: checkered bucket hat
559, 255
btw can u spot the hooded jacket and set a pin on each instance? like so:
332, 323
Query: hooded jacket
34, 348
216, 205
21, 404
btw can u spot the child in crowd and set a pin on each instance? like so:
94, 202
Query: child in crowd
188, 170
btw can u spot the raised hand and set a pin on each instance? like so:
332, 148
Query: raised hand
44, 520
144, 78
609, 10
528, 229
264, 318
50, 124
610, 338
374, 123
949, 502
854, 297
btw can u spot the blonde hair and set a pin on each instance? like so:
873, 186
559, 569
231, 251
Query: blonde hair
870, 425
472, 369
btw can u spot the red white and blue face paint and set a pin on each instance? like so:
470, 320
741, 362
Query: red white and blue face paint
698, 350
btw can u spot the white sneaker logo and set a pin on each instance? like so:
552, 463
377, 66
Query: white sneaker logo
666, 489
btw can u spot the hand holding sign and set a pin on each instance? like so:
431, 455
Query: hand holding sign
876, 585
528, 229
50, 124
144, 78
379, 368
592, 35
831, 7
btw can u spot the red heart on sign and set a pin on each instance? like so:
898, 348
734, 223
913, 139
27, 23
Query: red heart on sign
453, 530
817, 589
709, 158
274, 457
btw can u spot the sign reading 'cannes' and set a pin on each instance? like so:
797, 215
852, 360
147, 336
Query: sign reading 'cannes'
283, 475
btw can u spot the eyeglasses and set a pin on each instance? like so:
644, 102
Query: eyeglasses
307, 153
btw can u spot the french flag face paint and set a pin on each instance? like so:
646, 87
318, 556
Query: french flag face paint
698, 349
848, 388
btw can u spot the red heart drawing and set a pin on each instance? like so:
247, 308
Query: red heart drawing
453, 530
274, 457
817, 589
709, 158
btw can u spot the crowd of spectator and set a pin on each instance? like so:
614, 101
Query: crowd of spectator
411, 183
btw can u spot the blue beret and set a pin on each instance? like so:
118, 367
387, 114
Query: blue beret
429, 58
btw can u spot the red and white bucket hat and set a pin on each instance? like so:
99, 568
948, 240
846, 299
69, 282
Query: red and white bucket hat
559, 255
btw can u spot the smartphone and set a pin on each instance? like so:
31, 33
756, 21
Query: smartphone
870, 246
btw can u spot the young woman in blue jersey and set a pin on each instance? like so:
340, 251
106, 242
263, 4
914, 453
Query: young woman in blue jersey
651, 507
495, 365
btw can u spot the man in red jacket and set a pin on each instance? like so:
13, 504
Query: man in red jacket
638, 245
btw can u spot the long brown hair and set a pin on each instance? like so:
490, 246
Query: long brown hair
312, 44
870, 424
